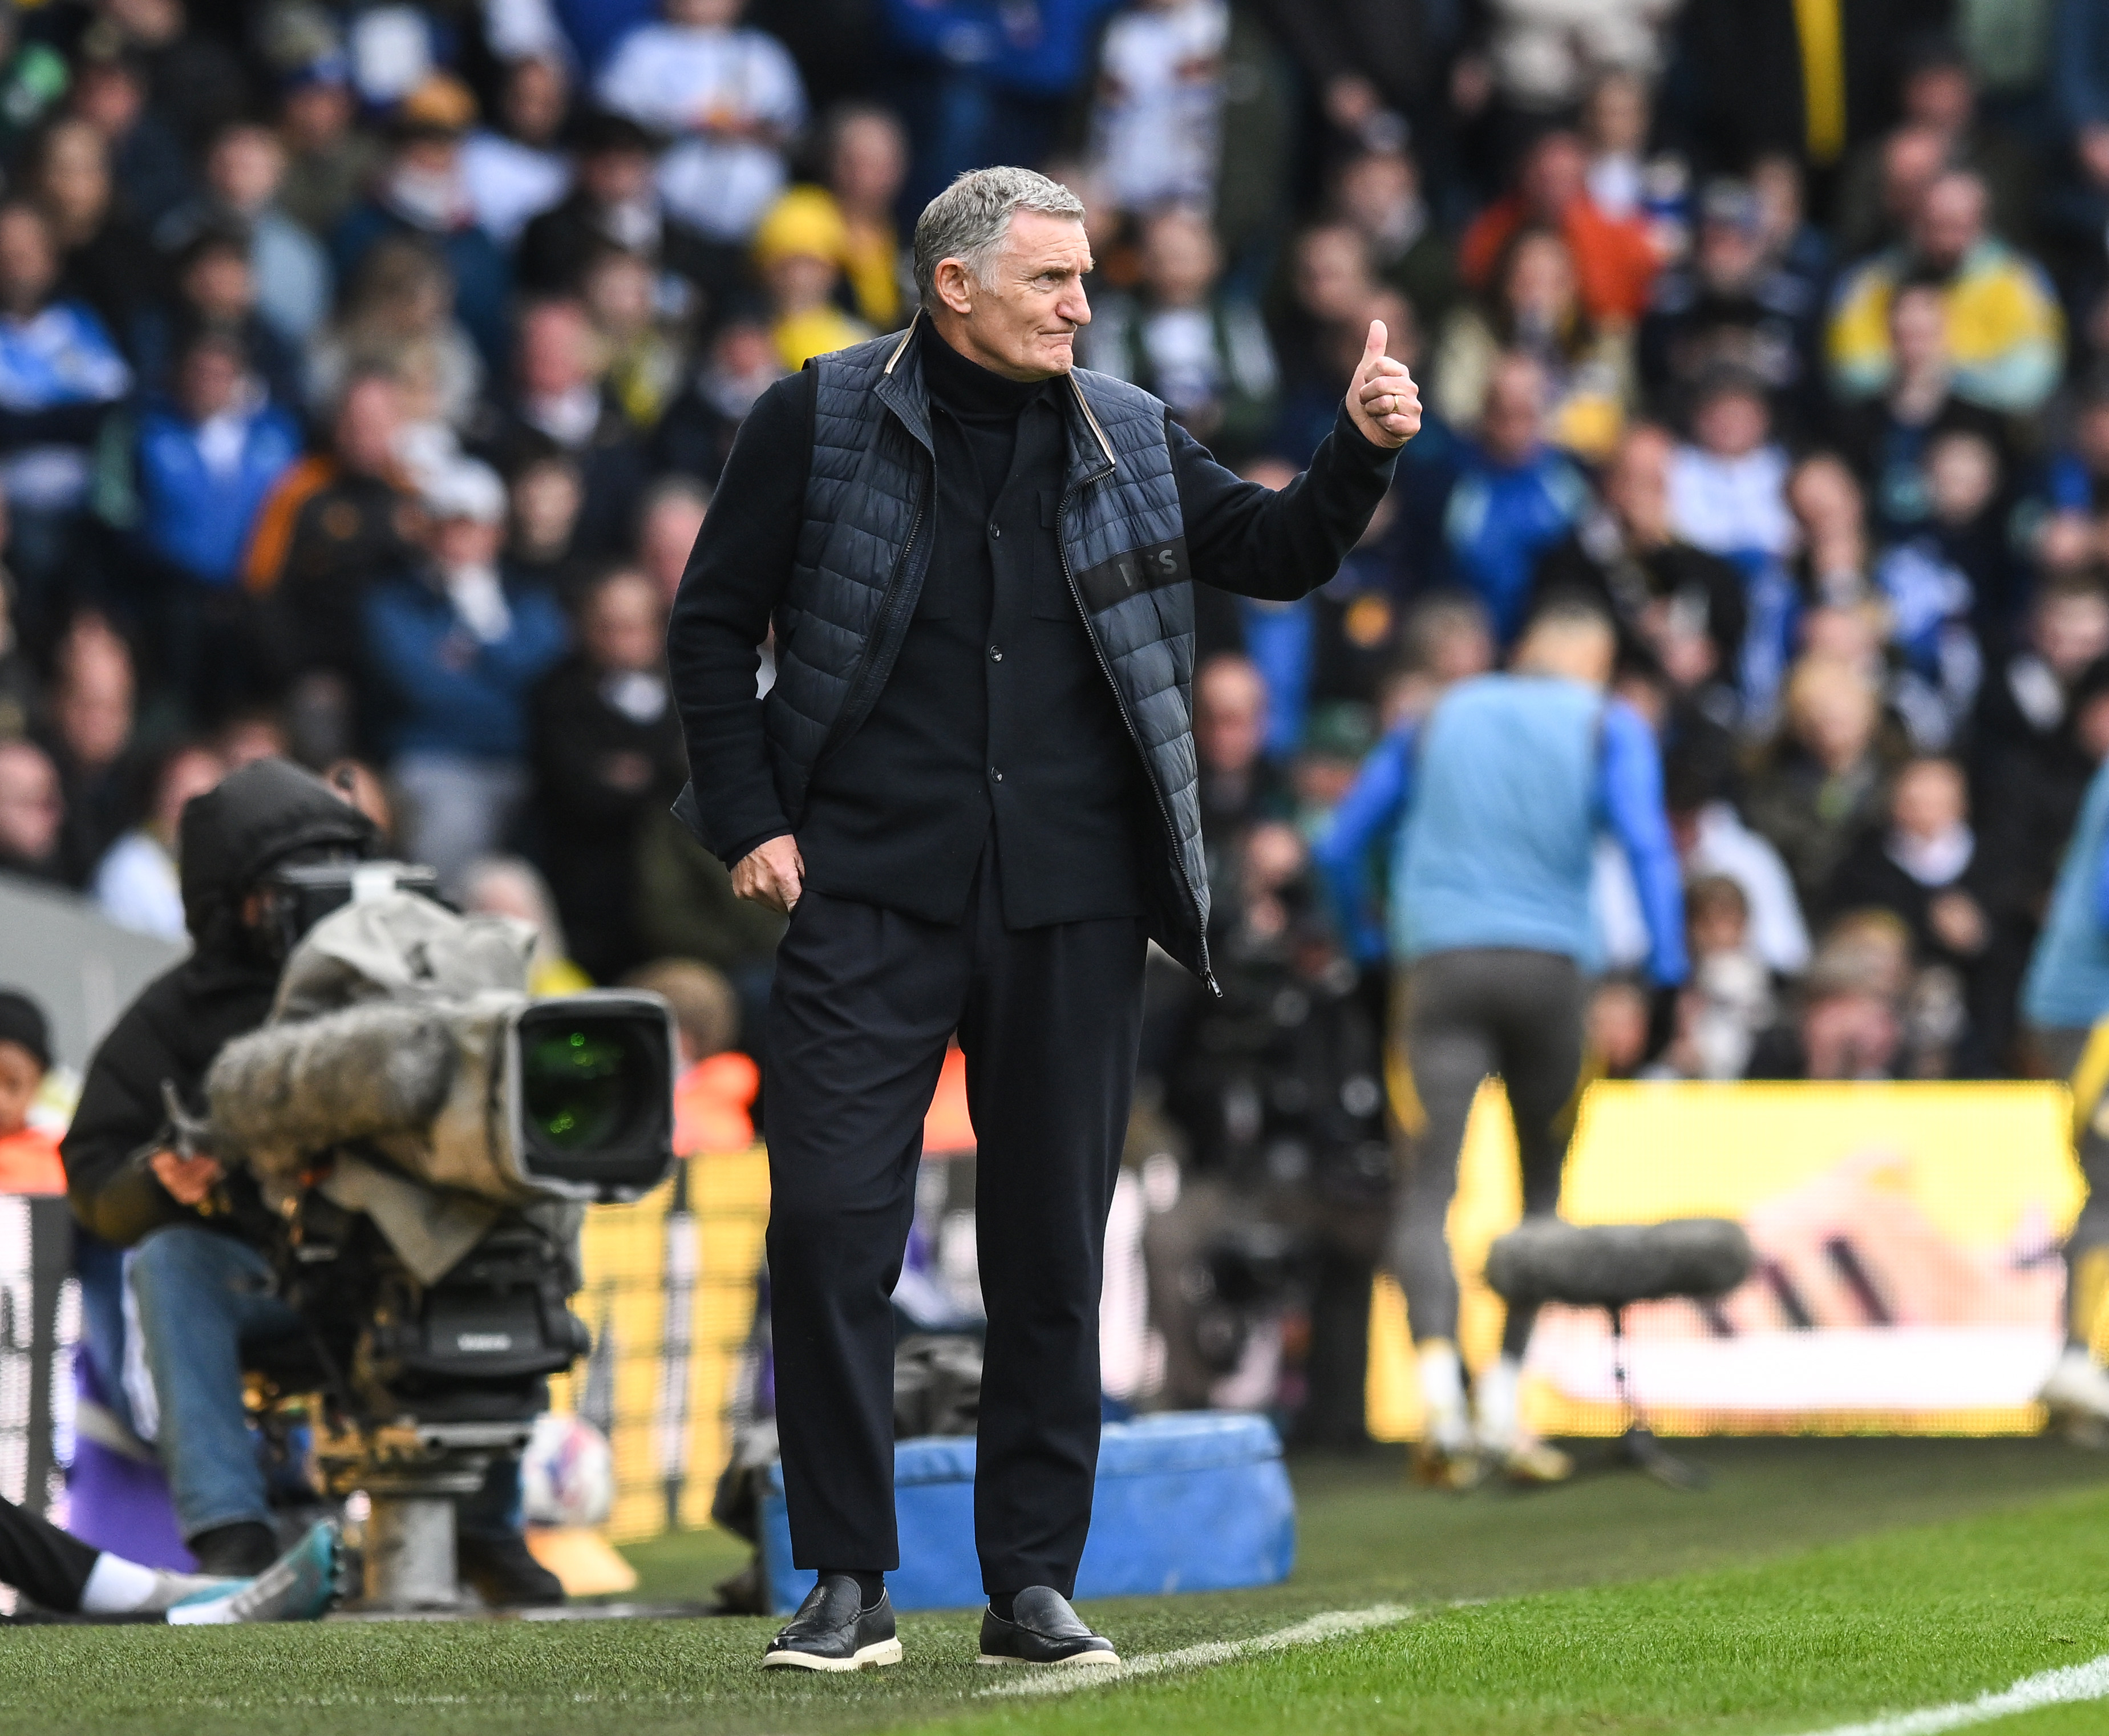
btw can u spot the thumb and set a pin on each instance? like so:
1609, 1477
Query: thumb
1375, 346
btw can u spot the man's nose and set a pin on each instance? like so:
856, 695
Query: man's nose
1075, 306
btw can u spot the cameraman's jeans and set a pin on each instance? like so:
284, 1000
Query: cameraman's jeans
195, 1300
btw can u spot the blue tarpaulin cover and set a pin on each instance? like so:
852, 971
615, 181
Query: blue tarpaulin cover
1193, 1501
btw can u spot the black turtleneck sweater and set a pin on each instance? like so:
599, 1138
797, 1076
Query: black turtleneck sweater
996, 716
996, 677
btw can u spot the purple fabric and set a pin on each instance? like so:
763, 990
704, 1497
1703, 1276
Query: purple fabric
119, 1503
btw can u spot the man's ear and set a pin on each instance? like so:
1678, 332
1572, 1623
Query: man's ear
955, 286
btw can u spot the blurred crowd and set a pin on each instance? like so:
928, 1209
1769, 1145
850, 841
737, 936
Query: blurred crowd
366, 370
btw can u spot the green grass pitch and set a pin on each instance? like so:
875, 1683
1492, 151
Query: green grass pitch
1818, 1583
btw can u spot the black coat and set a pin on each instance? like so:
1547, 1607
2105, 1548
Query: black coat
181, 1020
611, 464
601, 776
1678, 571
559, 244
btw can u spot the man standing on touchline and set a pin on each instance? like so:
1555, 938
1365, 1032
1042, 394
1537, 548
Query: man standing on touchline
972, 788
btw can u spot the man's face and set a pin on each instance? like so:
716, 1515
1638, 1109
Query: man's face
624, 629
1940, 97
666, 541
1950, 220
1333, 274
318, 115
1638, 487
2071, 631
1179, 260
210, 382
460, 542
1850, 1035
220, 286
1732, 424
1510, 427
535, 100
553, 351
1374, 187
20, 1076
244, 168
1230, 722
1552, 175
94, 706
28, 267
1729, 255
615, 176
1918, 328
1023, 323
30, 811
367, 427
1929, 799
870, 162
1911, 158
545, 500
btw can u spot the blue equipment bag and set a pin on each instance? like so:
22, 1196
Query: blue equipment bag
1192, 1501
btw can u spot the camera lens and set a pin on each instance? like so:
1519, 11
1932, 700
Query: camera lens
576, 1086
596, 1094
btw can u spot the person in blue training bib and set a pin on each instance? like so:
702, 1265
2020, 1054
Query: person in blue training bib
2064, 1005
1490, 811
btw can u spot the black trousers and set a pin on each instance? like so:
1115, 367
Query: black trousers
45, 1564
864, 1002
1464, 1014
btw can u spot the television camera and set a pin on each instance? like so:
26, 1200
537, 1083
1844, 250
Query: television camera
428, 1136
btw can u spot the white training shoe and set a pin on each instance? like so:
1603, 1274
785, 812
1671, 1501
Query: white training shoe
2077, 1395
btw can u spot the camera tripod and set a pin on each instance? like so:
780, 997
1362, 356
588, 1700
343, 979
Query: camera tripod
413, 1473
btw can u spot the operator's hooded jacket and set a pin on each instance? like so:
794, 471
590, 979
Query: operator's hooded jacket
231, 837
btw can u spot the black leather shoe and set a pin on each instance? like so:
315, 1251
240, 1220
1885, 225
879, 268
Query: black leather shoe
1043, 1629
833, 1630
505, 1575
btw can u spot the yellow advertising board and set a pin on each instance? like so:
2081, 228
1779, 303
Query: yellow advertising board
1906, 1280
670, 1294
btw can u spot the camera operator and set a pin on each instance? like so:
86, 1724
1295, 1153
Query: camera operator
199, 1268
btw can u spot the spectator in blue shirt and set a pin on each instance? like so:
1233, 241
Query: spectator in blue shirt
452, 653
204, 460
59, 374
1489, 812
1513, 496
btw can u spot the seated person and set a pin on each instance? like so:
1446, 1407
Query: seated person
28, 1156
199, 1271
64, 1577
453, 650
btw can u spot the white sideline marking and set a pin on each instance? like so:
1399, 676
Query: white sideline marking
1330, 1626
2066, 1687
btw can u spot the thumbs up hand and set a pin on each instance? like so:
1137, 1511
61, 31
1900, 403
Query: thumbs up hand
1383, 401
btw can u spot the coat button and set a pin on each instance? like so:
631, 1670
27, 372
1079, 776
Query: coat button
995, 529
994, 774
996, 653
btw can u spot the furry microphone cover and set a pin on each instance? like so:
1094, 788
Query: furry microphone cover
1607, 1265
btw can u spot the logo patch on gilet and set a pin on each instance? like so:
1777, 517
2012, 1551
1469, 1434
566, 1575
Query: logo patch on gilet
1150, 568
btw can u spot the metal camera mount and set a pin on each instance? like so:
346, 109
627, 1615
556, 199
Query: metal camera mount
413, 1474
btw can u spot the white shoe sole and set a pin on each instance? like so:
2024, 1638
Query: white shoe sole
1086, 1658
865, 1657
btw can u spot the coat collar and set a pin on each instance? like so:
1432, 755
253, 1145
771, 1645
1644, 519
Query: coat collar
900, 389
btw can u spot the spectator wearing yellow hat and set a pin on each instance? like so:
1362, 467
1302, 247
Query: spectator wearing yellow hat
799, 249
